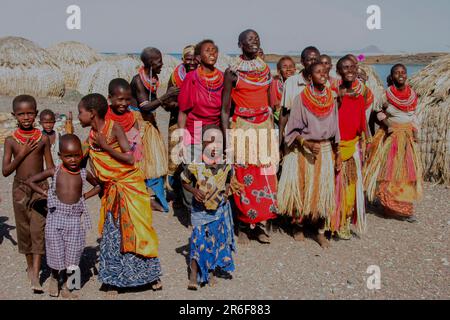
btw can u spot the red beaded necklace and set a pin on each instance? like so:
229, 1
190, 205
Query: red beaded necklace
320, 104
178, 75
74, 173
405, 100
211, 81
21, 136
255, 72
151, 84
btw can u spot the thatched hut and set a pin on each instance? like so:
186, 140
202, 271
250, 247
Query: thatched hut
25, 68
96, 77
432, 84
73, 58
374, 83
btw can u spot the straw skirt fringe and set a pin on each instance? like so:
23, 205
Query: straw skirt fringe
350, 201
307, 184
393, 172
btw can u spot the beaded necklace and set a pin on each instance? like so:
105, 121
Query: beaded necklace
405, 100
151, 84
211, 81
126, 120
178, 75
255, 71
74, 173
21, 136
319, 103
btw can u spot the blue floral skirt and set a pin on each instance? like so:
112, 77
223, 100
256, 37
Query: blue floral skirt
212, 245
123, 270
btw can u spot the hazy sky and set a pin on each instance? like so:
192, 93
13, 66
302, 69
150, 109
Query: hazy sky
283, 25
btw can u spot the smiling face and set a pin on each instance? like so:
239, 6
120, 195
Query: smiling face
250, 44
287, 69
120, 100
85, 116
348, 70
189, 61
71, 155
25, 114
209, 54
399, 76
318, 75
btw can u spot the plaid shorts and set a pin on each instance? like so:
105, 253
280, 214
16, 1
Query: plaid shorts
64, 236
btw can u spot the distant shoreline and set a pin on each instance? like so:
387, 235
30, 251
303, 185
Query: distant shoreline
410, 59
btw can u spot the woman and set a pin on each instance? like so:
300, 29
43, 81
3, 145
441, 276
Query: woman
199, 103
393, 170
247, 87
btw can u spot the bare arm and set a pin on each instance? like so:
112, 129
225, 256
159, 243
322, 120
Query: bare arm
149, 106
9, 166
126, 156
229, 79
33, 181
182, 116
48, 154
96, 186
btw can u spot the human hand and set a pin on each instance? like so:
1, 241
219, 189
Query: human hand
338, 163
28, 147
100, 140
199, 195
313, 147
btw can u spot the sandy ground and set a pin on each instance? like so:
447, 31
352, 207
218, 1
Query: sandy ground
413, 258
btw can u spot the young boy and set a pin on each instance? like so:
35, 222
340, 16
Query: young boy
25, 152
129, 246
326, 61
212, 240
64, 232
47, 120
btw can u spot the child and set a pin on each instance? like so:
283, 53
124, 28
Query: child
29, 148
306, 188
64, 232
47, 120
129, 245
119, 101
285, 69
212, 240
326, 61
393, 171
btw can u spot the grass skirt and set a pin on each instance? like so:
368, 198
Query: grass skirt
307, 184
393, 172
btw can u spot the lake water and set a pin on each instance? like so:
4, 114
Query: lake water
383, 70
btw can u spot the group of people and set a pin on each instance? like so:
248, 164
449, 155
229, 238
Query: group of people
325, 165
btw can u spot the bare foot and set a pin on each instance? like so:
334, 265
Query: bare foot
67, 294
323, 241
36, 286
193, 286
212, 280
53, 288
156, 206
111, 292
157, 285
261, 235
298, 234
243, 238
